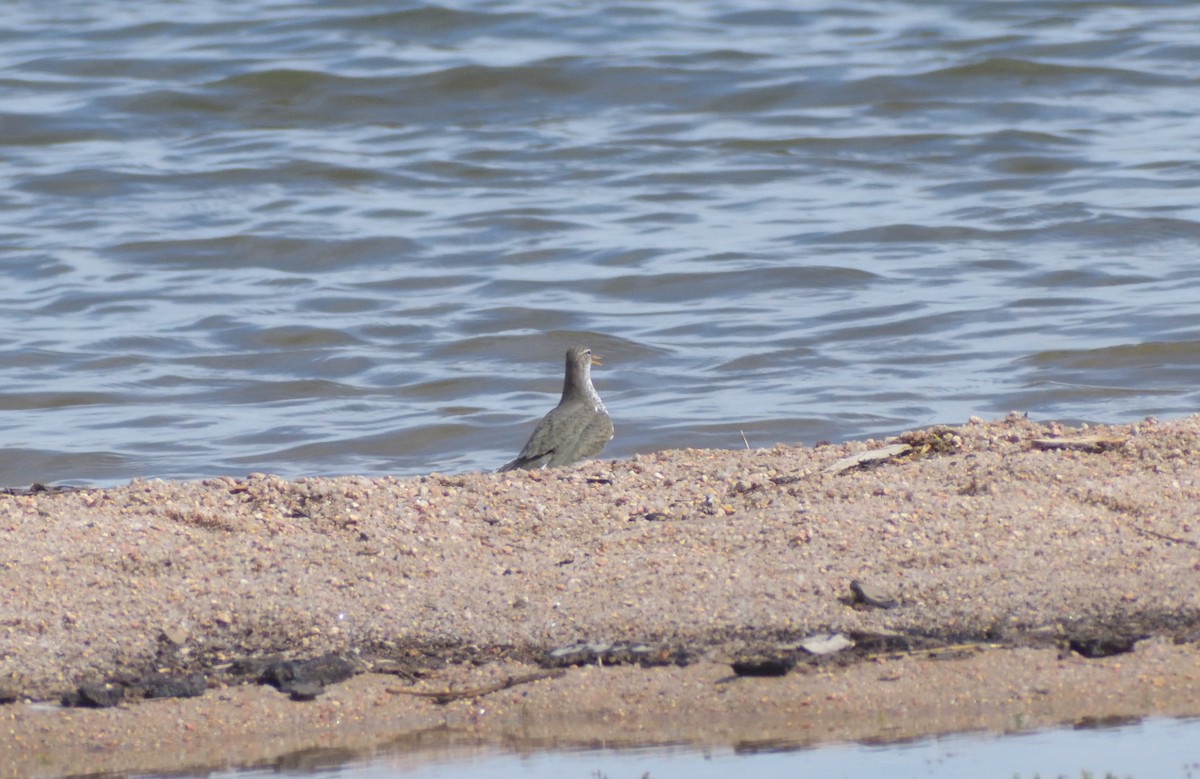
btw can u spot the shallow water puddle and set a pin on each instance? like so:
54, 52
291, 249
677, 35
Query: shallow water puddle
1151, 748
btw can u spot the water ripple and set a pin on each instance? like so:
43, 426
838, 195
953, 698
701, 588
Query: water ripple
358, 238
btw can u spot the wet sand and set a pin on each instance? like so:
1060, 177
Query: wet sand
1007, 555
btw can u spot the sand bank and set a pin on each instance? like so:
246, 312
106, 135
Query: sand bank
1008, 556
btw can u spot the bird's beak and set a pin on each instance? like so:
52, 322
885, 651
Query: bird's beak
596, 360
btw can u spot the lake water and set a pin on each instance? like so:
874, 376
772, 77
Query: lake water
1153, 749
357, 237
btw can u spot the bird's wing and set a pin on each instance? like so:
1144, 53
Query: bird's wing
595, 434
540, 447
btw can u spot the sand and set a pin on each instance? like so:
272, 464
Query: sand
1007, 556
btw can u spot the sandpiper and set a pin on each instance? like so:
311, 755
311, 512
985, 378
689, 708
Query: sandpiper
577, 428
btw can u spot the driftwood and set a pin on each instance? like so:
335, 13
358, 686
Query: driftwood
873, 457
1087, 443
446, 696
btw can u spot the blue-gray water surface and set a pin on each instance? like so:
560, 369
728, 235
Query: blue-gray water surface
323, 238
1153, 749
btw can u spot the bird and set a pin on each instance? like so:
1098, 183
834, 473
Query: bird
576, 429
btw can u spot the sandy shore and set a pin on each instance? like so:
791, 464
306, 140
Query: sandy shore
1002, 550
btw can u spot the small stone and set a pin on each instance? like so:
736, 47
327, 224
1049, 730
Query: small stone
872, 595
176, 634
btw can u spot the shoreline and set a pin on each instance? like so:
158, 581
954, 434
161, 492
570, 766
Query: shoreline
1013, 549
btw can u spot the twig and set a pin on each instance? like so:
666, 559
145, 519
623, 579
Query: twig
445, 696
744, 441
1148, 532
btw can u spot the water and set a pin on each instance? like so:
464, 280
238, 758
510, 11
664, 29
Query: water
1162, 749
304, 237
